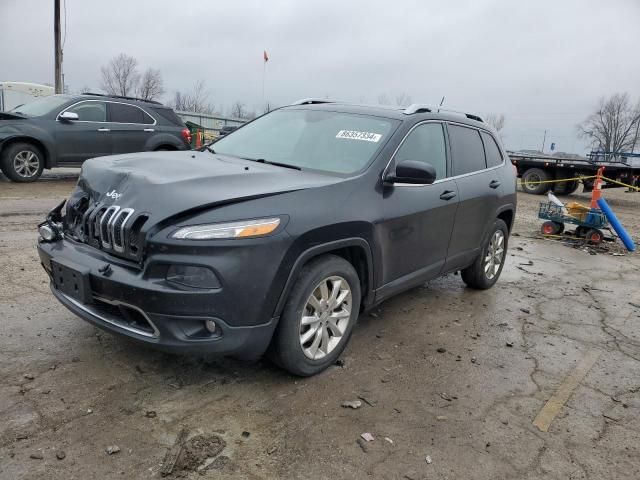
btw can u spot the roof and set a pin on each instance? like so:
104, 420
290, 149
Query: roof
415, 111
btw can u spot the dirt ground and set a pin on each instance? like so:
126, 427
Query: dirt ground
453, 378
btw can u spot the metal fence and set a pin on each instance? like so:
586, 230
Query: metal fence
210, 123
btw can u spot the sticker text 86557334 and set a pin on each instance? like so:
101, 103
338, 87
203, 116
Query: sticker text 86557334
354, 135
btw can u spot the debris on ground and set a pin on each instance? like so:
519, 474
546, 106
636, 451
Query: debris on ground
363, 445
352, 404
111, 449
36, 456
525, 310
272, 450
339, 363
171, 457
509, 344
245, 434
367, 400
387, 439
198, 453
60, 455
441, 350
441, 417
29, 376
367, 437
150, 414
428, 459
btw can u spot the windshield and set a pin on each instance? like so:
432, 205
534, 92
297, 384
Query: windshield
335, 142
41, 106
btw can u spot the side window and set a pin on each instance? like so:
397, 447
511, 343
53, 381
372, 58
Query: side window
122, 113
425, 144
467, 151
146, 119
494, 157
90, 111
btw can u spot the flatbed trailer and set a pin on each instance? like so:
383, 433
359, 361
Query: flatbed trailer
535, 168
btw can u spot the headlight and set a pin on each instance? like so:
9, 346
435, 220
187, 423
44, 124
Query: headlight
244, 229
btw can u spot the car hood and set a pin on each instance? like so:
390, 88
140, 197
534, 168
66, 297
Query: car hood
164, 184
11, 116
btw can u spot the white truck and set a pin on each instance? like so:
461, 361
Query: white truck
13, 94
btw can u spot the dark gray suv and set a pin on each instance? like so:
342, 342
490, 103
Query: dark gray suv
66, 130
276, 237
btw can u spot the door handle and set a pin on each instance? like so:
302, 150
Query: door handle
149, 130
104, 129
494, 184
448, 195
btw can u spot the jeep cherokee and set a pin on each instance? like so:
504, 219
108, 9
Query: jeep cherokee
277, 236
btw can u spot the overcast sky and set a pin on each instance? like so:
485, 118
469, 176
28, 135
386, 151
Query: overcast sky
542, 63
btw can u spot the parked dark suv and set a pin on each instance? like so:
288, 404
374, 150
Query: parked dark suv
65, 130
279, 238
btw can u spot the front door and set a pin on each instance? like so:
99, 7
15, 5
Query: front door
89, 136
415, 234
130, 126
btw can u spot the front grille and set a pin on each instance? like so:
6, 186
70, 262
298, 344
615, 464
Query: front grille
107, 227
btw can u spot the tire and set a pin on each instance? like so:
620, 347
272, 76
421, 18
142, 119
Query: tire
535, 175
594, 236
475, 275
552, 228
292, 347
22, 162
566, 188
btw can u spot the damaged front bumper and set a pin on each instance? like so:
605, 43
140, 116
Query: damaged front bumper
127, 300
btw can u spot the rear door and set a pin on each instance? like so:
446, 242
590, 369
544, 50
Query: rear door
418, 219
89, 136
131, 127
479, 189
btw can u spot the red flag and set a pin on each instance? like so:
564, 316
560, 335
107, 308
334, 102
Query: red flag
265, 56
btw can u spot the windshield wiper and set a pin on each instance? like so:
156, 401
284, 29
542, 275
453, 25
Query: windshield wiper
277, 164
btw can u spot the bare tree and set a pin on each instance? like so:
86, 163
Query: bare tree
198, 100
151, 85
403, 100
120, 76
495, 120
613, 127
383, 99
239, 110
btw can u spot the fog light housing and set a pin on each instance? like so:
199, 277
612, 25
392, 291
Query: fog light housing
47, 233
211, 326
193, 276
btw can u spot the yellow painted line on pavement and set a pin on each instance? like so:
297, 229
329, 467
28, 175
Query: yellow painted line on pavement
557, 401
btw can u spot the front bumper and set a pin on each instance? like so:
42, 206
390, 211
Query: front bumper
127, 303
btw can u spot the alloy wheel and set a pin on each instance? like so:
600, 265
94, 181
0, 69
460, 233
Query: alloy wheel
495, 254
325, 317
26, 163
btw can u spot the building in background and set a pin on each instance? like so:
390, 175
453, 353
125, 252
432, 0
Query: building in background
13, 94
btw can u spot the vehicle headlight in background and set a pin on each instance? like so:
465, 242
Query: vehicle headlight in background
192, 276
243, 229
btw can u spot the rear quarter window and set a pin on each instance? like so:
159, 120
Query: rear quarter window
170, 116
467, 150
493, 154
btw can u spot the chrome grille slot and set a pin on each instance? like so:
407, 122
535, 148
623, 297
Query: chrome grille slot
94, 234
105, 225
118, 223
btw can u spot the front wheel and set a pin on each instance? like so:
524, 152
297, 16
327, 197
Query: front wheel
22, 162
318, 318
484, 272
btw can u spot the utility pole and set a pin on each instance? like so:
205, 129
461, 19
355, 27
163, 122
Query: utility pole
57, 47
544, 140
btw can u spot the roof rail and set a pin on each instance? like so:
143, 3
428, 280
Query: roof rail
121, 96
423, 108
417, 108
312, 101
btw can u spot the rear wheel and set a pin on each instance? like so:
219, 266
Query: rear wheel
318, 318
566, 188
594, 236
530, 180
486, 269
22, 162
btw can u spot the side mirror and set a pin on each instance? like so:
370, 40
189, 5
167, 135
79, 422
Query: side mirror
68, 116
414, 172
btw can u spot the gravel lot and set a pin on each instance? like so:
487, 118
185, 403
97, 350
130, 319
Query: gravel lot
452, 378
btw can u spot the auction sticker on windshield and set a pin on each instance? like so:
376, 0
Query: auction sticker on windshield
354, 135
